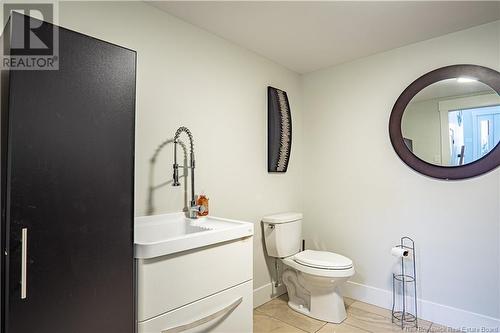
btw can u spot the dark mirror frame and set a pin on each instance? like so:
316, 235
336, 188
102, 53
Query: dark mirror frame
483, 165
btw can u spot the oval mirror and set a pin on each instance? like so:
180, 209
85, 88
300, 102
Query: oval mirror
446, 124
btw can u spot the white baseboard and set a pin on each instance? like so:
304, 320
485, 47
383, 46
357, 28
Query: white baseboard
266, 293
368, 294
434, 312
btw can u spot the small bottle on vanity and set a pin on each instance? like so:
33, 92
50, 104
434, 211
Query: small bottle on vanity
202, 201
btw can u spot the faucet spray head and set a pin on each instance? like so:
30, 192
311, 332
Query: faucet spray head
176, 166
176, 176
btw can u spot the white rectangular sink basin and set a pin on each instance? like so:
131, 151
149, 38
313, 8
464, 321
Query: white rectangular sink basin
160, 235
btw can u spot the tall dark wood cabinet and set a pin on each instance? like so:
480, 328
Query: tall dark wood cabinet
67, 191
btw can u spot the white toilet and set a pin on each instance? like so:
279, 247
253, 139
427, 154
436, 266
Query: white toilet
312, 278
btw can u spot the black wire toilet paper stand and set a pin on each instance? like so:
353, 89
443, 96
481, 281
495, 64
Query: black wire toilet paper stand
403, 317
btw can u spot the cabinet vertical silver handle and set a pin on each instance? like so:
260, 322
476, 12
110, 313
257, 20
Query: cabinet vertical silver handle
24, 257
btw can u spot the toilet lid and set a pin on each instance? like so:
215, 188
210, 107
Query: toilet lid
323, 259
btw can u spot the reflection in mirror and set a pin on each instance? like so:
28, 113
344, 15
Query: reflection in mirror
452, 122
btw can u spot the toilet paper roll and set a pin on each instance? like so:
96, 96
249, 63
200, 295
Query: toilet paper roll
399, 252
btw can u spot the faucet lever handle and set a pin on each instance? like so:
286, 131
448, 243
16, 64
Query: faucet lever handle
198, 208
195, 209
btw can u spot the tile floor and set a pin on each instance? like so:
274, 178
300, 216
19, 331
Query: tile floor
276, 317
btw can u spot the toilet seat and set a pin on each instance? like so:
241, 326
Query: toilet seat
323, 260
320, 272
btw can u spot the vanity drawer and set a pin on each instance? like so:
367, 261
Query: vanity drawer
168, 282
229, 311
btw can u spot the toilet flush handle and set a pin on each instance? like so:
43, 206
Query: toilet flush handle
271, 226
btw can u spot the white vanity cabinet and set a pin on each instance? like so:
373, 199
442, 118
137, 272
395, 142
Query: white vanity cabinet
203, 289
229, 311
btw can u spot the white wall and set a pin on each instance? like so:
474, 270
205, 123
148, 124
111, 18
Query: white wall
189, 77
360, 198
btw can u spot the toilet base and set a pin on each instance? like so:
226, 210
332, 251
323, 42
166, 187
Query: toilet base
335, 318
315, 297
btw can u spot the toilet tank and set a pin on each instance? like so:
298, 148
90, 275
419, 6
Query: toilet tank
282, 234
